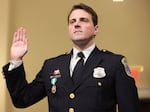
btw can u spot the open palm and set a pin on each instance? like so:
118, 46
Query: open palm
19, 44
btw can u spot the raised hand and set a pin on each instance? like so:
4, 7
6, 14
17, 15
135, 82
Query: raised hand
19, 45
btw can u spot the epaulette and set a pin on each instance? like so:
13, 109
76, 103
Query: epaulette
106, 51
63, 54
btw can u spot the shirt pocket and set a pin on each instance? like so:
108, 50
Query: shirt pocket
92, 86
94, 82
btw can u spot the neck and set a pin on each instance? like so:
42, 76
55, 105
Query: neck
82, 45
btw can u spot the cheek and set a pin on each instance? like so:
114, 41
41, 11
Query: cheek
70, 31
89, 31
70, 28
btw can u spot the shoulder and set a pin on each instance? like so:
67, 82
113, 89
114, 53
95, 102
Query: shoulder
110, 54
57, 58
113, 58
118, 61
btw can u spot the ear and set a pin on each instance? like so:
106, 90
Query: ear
96, 29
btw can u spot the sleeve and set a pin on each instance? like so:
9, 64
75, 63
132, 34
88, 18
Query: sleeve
14, 64
23, 94
126, 90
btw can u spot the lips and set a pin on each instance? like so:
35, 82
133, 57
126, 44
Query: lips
77, 31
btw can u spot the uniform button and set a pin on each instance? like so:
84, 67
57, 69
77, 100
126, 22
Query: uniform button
72, 95
71, 109
104, 50
99, 84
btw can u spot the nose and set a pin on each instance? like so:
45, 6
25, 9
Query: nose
77, 24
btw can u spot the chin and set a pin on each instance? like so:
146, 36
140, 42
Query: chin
80, 42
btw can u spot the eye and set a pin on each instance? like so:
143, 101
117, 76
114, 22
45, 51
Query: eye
84, 19
72, 21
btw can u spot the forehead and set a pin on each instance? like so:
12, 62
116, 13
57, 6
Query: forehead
79, 13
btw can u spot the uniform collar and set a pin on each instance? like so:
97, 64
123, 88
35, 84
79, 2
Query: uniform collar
86, 52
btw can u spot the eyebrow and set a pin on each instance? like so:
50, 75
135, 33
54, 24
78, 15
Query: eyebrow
82, 18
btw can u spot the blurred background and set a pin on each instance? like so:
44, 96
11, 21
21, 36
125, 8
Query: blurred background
124, 28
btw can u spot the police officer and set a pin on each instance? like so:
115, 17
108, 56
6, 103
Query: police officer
93, 81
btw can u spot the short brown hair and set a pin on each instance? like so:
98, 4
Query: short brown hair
87, 9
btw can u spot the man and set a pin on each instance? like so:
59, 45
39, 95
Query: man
102, 81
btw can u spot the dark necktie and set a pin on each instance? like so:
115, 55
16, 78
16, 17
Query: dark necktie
78, 68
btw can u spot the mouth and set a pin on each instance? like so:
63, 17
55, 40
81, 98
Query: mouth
77, 31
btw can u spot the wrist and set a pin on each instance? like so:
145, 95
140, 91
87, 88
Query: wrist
16, 59
14, 64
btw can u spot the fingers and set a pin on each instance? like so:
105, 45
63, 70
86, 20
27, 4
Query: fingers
20, 35
19, 45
